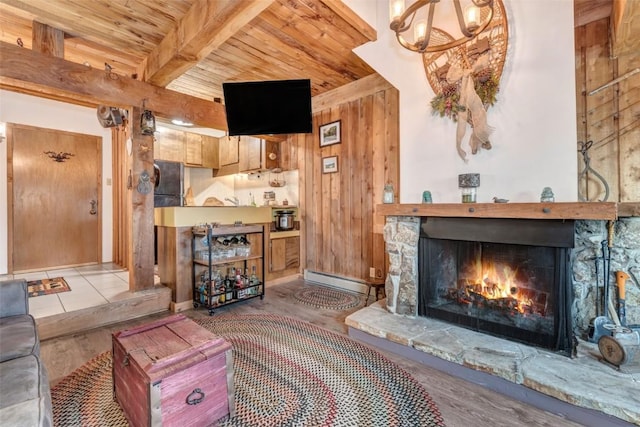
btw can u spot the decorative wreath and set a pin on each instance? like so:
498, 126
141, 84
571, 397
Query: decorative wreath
482, 59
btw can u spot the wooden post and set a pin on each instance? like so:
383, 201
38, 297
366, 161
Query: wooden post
141, 207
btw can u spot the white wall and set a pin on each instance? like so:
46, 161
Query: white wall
44, 113
534, 141
243, 186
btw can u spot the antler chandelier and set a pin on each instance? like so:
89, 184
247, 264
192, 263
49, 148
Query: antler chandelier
472, 21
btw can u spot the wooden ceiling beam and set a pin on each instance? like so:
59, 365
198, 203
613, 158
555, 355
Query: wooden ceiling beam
205, 27
26, 71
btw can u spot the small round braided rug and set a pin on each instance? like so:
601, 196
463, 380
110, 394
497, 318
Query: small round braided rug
325, 297
286, 373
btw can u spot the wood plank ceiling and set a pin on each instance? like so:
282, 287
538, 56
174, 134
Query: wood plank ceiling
193, 46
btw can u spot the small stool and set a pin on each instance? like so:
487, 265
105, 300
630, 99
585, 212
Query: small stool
378, 284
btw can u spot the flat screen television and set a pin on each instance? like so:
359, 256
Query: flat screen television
268, 107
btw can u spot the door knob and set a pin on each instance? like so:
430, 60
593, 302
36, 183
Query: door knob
94, 205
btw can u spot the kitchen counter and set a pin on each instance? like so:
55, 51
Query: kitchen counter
283, 234
187, 216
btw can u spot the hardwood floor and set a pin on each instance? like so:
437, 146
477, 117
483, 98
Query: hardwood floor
461, 403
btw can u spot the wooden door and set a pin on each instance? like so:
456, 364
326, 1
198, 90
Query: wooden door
54, 213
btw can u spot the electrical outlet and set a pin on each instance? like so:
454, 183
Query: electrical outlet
372, 272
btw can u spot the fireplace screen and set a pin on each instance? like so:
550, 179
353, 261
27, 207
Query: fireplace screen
505, 287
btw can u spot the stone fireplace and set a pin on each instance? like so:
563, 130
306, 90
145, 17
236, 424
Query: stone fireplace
401, 323
402, 236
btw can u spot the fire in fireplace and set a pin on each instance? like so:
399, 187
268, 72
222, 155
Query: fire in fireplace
505, 277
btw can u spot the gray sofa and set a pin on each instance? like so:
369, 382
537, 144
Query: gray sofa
25, 397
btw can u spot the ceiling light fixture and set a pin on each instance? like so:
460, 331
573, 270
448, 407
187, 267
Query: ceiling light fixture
471, 21
179, 122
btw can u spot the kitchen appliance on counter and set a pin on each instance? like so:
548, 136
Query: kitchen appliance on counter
284, 220
168, 183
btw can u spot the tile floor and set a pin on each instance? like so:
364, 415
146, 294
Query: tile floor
91, 285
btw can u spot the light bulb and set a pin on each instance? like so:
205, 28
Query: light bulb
396, 9
472, 17
420, 31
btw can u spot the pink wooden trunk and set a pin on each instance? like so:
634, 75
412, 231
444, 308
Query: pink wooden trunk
172, 372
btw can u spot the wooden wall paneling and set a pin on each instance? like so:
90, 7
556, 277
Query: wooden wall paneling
175, 262
294, 156
119, 181
600, 113
314, 199
325, 258
338, 235
302, 191
629, 130
365, 142
9, 200
385, 167
581, 97
344, 245
357, 167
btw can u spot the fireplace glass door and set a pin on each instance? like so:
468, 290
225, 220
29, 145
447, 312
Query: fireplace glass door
516, 291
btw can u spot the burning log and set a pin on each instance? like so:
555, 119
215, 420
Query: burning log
489, 295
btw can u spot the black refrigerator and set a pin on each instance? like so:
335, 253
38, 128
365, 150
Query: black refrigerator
168, 191
168, 183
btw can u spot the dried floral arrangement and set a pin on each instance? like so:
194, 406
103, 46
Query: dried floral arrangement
466, 80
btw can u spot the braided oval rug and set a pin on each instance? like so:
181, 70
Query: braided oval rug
287, 373
326, 297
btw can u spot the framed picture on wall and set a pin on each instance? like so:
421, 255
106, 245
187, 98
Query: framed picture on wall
330, 134
330, 164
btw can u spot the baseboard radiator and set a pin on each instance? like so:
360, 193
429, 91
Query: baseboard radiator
349, 284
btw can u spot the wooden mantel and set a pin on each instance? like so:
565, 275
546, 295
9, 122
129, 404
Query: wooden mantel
568, 210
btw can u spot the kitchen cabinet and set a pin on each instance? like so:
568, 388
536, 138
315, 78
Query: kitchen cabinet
250, 153
284, 255
169, 145
201, 151
246, 154
229, 153
210, 152
193, 149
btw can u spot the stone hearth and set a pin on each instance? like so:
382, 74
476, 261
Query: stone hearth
583, 381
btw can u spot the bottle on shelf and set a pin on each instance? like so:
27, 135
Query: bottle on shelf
254, 281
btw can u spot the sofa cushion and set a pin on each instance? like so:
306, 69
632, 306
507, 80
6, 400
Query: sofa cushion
15, 298
25, 396
19, 337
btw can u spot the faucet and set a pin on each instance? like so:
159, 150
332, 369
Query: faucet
234, 201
